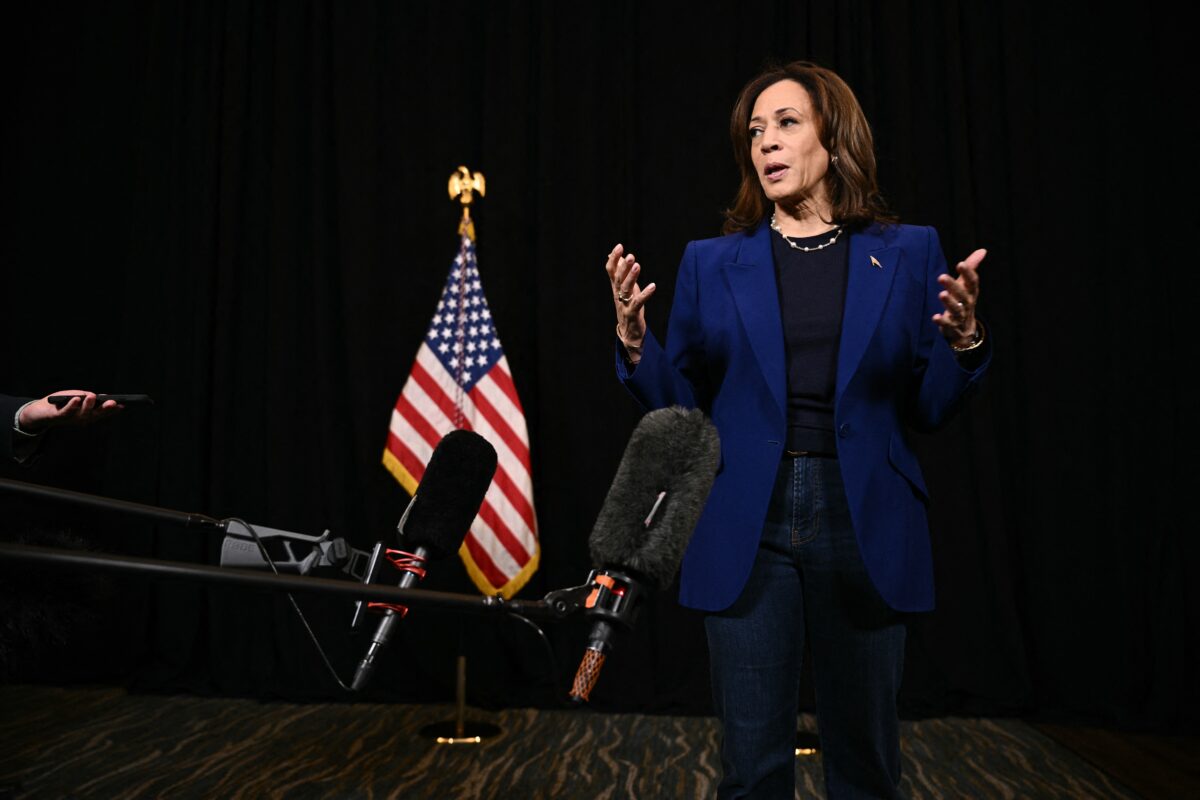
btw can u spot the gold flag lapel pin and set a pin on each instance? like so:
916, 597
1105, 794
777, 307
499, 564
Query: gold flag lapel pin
875, 262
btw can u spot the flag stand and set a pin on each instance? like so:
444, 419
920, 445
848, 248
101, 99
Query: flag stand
459, 730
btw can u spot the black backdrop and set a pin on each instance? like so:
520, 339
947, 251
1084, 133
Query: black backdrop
239, 209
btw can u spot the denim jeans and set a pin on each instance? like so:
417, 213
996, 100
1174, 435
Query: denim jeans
808, 580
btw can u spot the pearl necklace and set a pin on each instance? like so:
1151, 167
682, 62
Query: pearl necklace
836, 233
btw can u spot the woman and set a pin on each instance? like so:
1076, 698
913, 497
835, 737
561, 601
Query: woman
811, 333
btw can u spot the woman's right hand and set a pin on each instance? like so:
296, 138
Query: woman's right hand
629, 300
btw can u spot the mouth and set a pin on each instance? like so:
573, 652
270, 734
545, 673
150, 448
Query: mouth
775, 171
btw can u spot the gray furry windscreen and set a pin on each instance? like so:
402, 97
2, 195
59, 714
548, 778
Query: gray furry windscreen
674, 450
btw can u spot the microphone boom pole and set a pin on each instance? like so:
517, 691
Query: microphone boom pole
159, 568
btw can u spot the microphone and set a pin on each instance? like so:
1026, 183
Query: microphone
436, 520
645, 523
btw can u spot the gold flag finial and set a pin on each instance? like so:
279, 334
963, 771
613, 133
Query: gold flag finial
463, 185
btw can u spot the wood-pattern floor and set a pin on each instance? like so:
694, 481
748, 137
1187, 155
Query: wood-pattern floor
104, 743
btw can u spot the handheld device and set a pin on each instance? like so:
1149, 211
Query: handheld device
60, 400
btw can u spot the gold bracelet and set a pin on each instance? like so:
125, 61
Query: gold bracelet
980, 332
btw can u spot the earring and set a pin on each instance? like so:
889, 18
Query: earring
834, 160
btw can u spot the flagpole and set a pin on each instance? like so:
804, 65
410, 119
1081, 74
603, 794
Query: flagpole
462, 186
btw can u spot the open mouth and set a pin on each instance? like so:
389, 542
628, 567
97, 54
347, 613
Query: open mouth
774, 172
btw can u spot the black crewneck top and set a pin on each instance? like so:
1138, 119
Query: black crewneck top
812, 295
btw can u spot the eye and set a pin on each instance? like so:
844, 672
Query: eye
788, 122
755, 132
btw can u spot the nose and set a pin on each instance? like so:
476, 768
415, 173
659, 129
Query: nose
767, 142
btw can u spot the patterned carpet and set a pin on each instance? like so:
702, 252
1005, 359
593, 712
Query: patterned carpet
104, 743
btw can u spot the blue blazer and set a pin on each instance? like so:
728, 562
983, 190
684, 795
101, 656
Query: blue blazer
725, 354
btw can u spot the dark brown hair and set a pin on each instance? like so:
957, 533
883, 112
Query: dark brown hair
843, 130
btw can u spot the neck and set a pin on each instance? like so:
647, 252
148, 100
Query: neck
804, 219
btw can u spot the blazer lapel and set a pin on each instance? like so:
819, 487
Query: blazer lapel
751, 279
872, 267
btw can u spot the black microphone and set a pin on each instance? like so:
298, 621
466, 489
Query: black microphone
644, 526
437, 519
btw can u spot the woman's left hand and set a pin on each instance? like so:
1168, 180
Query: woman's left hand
959, 297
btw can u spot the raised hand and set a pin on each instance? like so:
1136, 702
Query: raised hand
629, 299
959, 298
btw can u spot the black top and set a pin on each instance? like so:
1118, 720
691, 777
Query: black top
812, 294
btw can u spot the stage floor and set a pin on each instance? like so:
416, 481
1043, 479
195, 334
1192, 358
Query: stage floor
105, 743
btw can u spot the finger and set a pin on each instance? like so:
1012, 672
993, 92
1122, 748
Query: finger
968, 269
624, 264
974, 259
969, 277
639, 299
633, 310
610, 265
630, 282
948, 326
956, 304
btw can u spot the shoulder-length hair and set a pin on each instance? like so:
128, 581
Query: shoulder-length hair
843, 130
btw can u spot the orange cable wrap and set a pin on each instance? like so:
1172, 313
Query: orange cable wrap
587, 674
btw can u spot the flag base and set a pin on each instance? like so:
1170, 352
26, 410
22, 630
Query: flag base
458, 730
455, 732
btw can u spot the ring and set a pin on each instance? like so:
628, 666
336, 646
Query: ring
624, 298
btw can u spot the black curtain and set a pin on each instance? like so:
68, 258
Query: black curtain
239, 209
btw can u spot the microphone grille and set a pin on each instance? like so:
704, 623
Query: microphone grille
451, 490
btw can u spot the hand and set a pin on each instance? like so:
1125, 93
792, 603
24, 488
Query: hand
82, 410
959, 298
628, 298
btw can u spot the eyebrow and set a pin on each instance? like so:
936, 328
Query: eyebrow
779, 111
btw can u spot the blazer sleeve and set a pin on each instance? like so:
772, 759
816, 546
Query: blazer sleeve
8, 434
674, 375
942, 382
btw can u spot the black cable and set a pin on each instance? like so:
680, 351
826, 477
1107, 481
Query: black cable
559, 695
304, 620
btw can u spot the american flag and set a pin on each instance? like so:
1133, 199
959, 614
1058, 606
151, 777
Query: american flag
461, 379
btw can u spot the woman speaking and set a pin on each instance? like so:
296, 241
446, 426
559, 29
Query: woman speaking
812, 333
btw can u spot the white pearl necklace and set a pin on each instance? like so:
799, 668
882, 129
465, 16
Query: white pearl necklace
836, 233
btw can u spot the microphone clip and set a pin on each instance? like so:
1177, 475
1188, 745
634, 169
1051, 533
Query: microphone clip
412, 563
607, 594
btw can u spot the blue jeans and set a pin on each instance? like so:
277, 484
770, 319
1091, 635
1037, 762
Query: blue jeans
808, 580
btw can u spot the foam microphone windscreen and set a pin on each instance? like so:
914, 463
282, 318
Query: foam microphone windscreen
451, 490
672, 450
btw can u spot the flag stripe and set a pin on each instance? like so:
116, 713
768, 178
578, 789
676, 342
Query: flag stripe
419, 423
490, 512
504, 380
500, 426
484, 561
414, 465
431, 387
491, 538
518, 498
495, 394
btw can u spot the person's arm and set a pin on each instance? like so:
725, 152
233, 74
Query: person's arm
951, 359
660, 377
32, 418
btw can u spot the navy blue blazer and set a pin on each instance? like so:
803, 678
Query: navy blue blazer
725, 354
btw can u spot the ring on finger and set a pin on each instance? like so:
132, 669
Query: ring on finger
623, 298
